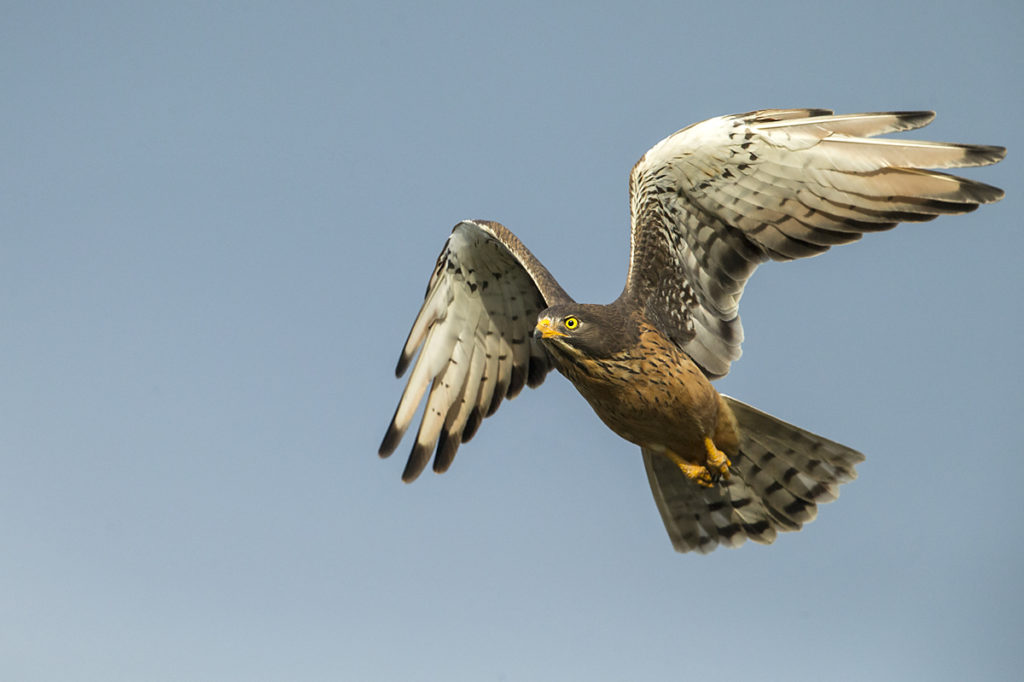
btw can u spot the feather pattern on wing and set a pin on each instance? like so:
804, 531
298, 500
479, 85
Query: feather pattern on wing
474, 335
713, 201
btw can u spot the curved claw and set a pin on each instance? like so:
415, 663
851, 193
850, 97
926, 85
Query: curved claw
705, 475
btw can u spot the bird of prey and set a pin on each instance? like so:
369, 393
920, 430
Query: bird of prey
708, 204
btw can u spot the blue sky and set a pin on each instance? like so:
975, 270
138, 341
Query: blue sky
217, 223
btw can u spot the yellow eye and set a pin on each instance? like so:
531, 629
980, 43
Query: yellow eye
571, 323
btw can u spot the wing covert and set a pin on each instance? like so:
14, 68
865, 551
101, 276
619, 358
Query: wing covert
711, 202
475, 342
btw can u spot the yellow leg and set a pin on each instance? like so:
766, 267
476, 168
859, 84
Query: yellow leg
717, 461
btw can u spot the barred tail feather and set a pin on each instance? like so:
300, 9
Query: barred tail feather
779, 477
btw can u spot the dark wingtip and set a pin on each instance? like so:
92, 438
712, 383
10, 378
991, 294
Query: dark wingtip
446, 449
418, 459
516, 382
915, 119
976, 192
403, 364
390, 442
499, 394
472, 424
983, 154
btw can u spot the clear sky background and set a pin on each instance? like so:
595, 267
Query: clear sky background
217, 221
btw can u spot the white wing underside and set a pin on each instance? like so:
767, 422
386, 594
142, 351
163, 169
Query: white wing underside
713, 201
474, 334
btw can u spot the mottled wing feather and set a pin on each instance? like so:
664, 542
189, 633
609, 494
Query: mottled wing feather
713, 201
474, 336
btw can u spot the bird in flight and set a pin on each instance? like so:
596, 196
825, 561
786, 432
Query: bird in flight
708, 204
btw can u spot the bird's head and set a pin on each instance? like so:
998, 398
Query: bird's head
597, 331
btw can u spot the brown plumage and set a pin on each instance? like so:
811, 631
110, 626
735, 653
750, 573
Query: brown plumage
708, 205
641, 386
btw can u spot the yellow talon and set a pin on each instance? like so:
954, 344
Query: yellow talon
697, 473
717, 459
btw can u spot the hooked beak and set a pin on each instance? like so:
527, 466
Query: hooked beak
545, 330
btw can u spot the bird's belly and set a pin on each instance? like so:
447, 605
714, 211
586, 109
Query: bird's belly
662, 402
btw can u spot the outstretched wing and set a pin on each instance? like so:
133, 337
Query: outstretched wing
475, 335
713, 201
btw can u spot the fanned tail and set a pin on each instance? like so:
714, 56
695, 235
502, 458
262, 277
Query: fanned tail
778, 478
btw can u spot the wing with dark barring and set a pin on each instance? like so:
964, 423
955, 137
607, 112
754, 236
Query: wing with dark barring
711, 202
475, 339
